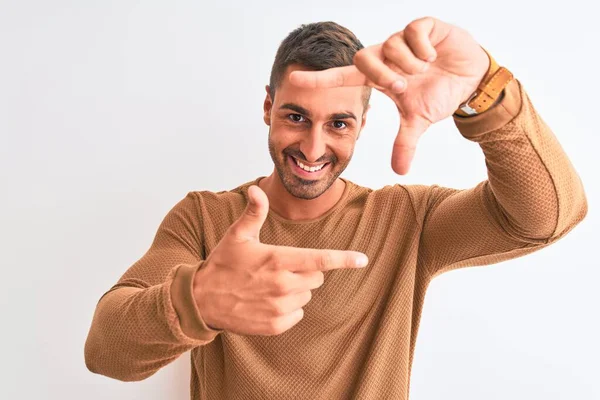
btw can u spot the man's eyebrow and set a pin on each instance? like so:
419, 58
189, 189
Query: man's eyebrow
295, 107
344, 115
304, 111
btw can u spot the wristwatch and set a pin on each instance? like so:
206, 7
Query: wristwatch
488, 91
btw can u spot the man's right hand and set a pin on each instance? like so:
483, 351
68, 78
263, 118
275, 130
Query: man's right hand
250, 288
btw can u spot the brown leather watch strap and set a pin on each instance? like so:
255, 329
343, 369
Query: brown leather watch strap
488, 90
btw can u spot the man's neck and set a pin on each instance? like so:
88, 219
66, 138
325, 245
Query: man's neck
295, 209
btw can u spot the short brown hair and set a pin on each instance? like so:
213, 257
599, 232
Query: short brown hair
317, 46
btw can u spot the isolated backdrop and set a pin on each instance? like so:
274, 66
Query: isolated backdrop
111, 111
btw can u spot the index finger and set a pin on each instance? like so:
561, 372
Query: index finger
299, 259
328, 78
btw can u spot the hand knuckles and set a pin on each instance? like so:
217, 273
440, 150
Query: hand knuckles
359, 57
426, 20
418, 25
252, 211
276, 326
320, 279
275, 261
233, 230
406, 65
308, 297
281, 284
336, 79
389, 46
279, 308
301, 312
414, 67
413, 28
237, 234
384, 79
325, 261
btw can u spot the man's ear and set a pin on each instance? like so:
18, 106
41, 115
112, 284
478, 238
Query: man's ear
267, 106
364, 120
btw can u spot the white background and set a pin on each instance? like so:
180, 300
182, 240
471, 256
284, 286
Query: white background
111, 111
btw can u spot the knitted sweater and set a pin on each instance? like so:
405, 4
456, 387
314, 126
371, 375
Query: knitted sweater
358, 334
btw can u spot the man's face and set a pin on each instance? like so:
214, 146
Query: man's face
312, 133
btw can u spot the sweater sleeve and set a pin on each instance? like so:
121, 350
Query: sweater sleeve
149, 317
532, 196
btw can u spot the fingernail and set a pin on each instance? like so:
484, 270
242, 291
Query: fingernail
431, 58
362, 261
398, 86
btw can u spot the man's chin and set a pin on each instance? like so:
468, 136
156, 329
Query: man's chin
303, 188
304, 194
306, 189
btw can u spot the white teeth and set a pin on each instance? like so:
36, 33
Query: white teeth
309, 169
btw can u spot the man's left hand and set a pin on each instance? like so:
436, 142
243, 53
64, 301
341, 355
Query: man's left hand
428, 69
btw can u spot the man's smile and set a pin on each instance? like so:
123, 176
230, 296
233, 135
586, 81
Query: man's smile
306, 170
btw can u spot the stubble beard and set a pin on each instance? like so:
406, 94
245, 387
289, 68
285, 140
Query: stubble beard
303, 188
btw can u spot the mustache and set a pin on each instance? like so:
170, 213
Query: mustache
300, 156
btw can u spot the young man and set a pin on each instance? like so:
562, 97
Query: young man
267, 283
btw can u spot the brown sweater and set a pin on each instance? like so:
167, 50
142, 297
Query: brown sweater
358, 334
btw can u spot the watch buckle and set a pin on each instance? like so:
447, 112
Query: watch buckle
465, 106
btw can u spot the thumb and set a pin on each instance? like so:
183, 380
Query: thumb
405, 144
247, 227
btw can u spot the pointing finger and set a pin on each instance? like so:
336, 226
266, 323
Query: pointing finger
299, 259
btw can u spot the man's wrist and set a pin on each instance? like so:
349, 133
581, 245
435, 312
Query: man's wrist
498, 101
489, 92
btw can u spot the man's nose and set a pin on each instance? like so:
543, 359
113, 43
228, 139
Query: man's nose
313, 146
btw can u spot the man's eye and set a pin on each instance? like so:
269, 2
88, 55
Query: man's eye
295, 117
339, 124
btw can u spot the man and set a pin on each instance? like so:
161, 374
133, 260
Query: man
267, 283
